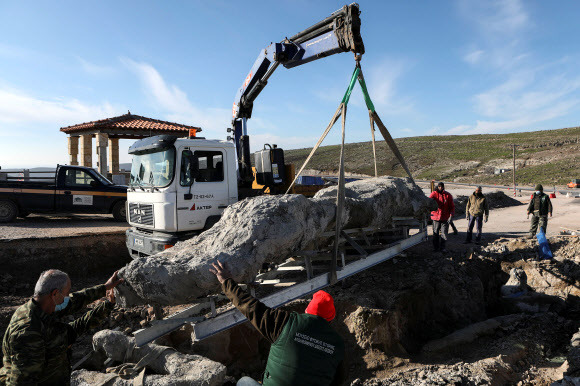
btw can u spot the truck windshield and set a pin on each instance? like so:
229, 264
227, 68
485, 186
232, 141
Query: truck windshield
153, 169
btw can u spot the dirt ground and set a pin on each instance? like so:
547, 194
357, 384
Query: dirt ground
36, 226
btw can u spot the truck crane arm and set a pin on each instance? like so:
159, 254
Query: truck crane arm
340, 32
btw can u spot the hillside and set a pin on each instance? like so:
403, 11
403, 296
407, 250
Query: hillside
551, 157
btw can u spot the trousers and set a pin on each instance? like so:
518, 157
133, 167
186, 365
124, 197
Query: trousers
440, 231
472, 221
541, 221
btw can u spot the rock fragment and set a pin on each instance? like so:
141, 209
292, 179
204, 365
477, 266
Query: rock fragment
170, 367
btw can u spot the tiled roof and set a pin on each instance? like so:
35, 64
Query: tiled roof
129, 122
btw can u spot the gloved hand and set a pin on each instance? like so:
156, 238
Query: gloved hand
467, 217
485, 219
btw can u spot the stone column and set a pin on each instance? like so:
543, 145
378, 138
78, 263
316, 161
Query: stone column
102, 140
87, 150
114, 155
73, 150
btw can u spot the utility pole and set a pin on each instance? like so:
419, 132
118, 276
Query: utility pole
514, 173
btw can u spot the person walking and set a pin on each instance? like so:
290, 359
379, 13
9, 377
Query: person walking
540, 207
440, 217
477, 207
305, 349
37, 342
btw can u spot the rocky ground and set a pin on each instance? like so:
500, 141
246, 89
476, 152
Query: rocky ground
490, 314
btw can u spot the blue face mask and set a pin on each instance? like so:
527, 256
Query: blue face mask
62, 306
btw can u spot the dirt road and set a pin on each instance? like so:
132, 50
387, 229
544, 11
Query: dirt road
512, 221
40, 226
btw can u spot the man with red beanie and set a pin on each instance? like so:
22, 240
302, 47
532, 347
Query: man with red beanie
305, 350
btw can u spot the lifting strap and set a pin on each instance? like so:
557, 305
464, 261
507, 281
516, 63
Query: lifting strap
340, 195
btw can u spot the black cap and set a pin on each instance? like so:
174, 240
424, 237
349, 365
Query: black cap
441, 184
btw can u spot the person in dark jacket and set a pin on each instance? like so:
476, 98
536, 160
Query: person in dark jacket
540, 207
305, 349
477, 207
445, 210
36, 344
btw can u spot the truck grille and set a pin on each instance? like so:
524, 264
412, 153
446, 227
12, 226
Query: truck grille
141, 213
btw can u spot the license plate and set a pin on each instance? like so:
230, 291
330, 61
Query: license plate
138, 242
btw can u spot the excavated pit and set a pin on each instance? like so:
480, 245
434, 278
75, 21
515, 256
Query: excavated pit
424, 318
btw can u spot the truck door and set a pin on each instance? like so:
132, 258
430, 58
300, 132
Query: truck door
207, 194
78, 192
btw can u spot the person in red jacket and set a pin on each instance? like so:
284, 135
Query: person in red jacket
441, 216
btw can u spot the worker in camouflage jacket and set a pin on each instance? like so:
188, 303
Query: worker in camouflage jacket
540, 207
36, 343
477, 207
305, 349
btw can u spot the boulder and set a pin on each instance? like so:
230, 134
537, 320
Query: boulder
169, 366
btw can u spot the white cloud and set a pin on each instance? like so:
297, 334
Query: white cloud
460, 129
382, 81
473, 57
501, 26
530, 89
174, 103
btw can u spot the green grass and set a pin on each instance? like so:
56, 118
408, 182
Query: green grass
432, 157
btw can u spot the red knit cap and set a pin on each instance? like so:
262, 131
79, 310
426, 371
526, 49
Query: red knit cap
322, 305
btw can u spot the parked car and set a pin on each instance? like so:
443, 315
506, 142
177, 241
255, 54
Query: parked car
67, 189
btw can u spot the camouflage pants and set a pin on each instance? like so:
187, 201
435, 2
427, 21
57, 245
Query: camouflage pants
541, 221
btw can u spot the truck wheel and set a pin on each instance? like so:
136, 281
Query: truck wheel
119, 211
8, 211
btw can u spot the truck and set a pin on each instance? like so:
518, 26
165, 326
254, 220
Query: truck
66, 189
574, 184
179, 187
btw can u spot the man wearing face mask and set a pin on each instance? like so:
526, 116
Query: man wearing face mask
540, 207
36, 343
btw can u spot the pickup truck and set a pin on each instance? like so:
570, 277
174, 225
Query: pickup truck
574, 184
68, 189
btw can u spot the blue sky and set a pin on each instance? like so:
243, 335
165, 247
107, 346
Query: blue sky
436, 67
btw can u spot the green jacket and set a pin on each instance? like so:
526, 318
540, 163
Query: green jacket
545, 204
477, 206
35, 344
307, 352
293, 362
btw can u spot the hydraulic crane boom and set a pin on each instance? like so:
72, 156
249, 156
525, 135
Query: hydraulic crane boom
340, 32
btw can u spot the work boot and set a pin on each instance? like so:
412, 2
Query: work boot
455, 233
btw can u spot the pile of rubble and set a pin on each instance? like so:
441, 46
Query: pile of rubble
494, 200
263, 229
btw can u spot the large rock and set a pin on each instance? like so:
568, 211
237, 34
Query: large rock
262, 229
170, 367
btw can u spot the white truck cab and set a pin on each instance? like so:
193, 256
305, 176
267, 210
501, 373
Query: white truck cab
178, 188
